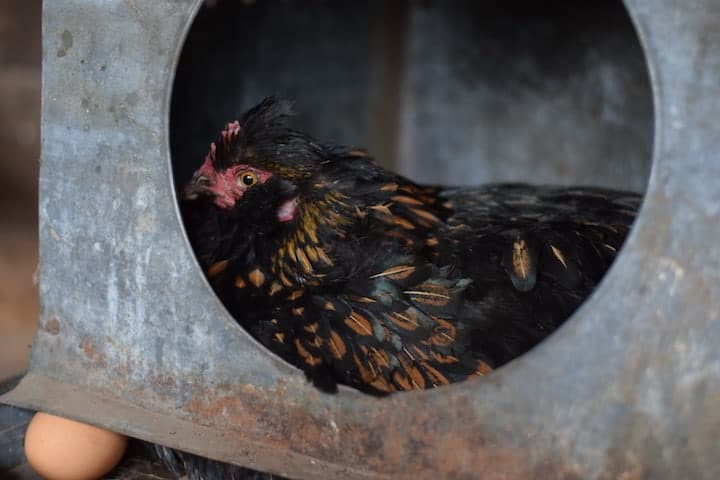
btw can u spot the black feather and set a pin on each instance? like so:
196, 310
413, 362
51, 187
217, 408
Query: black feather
499, 267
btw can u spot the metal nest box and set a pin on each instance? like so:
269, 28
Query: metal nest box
132, 338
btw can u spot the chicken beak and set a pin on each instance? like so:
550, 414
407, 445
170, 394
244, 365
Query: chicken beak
198, 186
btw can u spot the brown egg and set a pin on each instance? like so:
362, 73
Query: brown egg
62, 449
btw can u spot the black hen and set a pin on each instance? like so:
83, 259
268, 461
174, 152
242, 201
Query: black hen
360, 276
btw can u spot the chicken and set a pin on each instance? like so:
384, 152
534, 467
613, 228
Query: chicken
358, 276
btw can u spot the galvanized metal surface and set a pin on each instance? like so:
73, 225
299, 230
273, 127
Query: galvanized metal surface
132, 338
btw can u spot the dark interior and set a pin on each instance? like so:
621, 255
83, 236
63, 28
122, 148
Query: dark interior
445, 92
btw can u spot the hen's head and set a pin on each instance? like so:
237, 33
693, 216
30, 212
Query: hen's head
257, 164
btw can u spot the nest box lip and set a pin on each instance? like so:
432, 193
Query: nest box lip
566, 333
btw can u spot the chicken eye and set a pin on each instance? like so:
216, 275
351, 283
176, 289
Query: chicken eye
247, 179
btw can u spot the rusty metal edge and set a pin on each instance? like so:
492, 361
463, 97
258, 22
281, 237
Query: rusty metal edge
79, 404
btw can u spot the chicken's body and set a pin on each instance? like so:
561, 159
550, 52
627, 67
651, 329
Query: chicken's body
361, 277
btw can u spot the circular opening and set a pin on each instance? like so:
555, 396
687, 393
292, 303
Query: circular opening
460, 93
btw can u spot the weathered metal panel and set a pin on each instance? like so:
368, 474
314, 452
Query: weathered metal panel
131, 337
